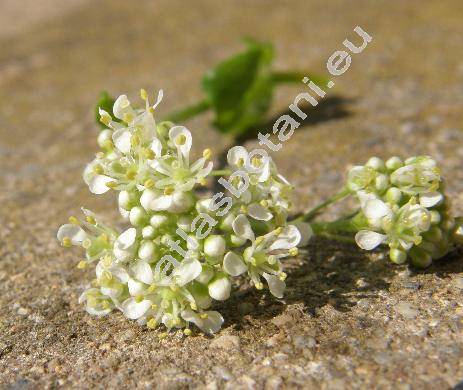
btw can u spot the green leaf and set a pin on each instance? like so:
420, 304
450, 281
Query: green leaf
240, 88
105, 102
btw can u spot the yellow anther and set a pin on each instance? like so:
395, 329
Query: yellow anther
105, 119
180, 139
240, 162
282, 276
256, 161
127, 117
149, 154
207, 154
243, 209
293, 252
154, 306
152, 323
106, 305
169, 191
162, 335
73, 220
82, 264
202, 181
425, 217
203, 316
143, 94
108, 144
111, 184
107, 261
259, 285
135, 140
259, 240
149, 183
139, 298
98, 169
264, 203
131, 174
90, 220
152, 288
151, 110
193, 306
278, 230
87, 243
67, 242
187, 332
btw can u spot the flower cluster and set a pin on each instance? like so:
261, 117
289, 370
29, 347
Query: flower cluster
180, 249
404, 206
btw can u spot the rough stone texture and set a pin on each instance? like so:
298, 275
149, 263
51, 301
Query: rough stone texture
348, 319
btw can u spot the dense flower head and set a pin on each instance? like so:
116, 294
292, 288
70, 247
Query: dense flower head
179, 250
403, 205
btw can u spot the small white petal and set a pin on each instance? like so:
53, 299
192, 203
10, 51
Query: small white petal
220, 288
287, 239
143, 272
242, 227
121, 106
133, 309
212, 323
236, 154
74, 232
177, 132
369, 240
375, 208
97, 184
233, 264
135, 287
127, 238
187, 271
276, 286
257, 211
306, 232
121, 139
156, 147
430, 199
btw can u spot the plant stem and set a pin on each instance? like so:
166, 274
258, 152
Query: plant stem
307, 217
188, 111
296, 77
221, 172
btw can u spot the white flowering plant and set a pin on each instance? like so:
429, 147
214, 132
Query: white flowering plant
181, 248
402, 204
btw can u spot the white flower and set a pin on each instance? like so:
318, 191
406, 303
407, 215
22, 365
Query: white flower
208, 321
238, 158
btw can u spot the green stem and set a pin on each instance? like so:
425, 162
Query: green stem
221, 172
188, 111
307, 217
296, 77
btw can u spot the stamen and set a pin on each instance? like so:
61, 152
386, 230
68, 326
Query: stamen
169, 190
73, 220
207, 154
152, 323
187, 332
143, 94
82, 264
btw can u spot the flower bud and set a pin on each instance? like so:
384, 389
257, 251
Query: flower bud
214, 246
158, 220
124, 200
184, 223
393, 195
236, 241
420, 258
137, 216
219, 288
435, 217
381, 182
148, 232
434, 234
394, 163
376, 163
163, 128
397, 256
104, 136
146, 250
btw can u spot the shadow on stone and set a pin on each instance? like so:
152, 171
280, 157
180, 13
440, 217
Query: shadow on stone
327, 272
333, 107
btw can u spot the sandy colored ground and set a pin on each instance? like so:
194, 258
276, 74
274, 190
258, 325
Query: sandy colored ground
349, 319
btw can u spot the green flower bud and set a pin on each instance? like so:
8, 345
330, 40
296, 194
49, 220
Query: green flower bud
394, 163
397, 256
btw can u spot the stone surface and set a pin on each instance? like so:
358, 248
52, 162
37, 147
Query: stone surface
402, 95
